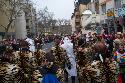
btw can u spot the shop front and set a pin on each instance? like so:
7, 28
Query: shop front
111, 21
120, 19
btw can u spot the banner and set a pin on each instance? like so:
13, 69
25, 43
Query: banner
120, 12
110, 13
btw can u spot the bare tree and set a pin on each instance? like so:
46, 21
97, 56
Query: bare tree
61, 22
45, 18
12, 9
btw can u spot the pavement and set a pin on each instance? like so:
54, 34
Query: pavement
47, 47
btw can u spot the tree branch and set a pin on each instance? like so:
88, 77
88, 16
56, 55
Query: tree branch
3, 26
8, 25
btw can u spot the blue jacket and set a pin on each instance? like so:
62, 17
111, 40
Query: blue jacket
50, 78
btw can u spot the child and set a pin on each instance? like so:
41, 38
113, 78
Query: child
49, 69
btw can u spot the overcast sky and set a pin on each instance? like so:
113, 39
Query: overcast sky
61, 8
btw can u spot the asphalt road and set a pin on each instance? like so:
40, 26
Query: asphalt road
47, 47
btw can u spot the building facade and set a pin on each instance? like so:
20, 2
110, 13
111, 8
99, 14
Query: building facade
4, 20
112, 14
72, 22
18, 28
31, 20
109, 14
80, 6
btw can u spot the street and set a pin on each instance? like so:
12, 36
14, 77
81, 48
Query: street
47, 47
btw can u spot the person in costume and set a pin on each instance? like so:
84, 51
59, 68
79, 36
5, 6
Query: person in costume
119, 57
31, 43
49, 69
71, 70
118, 40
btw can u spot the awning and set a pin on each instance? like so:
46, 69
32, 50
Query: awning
88, 12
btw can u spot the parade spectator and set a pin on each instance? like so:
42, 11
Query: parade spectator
109, 42
98, 29
82, 40
120, 59
119, 27
88, 37
2, 49
118, 40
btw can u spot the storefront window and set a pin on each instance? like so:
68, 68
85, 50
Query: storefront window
97, 7
103, 8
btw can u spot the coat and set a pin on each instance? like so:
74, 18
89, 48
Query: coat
50, 78
68, 46
32, 46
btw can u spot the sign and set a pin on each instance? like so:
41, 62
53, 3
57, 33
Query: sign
120, 12
110, 13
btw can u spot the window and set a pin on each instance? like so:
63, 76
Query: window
103, 8
27, 20
77, 16
77, 23
97, 7
27, 27
117, 3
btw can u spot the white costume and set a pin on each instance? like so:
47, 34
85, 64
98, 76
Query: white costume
88, 38
32, 46
68, 46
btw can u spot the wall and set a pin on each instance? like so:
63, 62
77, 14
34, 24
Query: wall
82, 8
73, 24
4, 21
109, 4
102, 15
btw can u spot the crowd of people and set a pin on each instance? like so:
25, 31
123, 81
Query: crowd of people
88, 57
108, 49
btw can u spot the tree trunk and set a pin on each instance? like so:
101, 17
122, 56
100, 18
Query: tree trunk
7, 28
